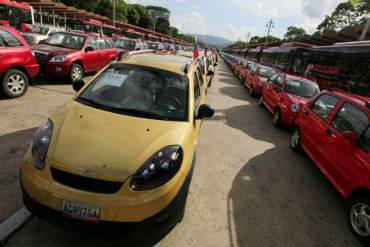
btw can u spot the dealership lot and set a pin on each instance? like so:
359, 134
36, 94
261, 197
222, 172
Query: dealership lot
248, 189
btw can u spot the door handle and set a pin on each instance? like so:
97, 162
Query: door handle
329, 131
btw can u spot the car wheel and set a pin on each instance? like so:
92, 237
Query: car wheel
76, 73
295, 139
359, 218
185, 198
260, 101
276, 119
14, 83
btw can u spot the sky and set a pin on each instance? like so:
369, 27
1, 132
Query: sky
233, 19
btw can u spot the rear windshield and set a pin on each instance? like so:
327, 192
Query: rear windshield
301, 88
139, 91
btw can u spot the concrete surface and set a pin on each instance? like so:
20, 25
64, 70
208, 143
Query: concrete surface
248, 189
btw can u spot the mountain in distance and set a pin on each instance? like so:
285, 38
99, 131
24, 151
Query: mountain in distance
212, 40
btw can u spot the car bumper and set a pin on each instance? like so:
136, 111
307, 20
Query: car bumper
155, 216
33, 70
56, 69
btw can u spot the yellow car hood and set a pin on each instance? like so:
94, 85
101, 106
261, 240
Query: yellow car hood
110, 146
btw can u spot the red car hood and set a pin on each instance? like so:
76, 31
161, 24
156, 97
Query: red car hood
54, 50
298, 100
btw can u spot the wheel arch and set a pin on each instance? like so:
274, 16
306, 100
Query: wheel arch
18, 67
359, 191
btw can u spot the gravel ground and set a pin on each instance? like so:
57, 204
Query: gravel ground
248, 188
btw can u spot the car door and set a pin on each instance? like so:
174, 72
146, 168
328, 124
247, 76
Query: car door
198, 100
276, 92
91, 60
202, 81
267, 90
347, 160
102, 51
314, 122
111, 50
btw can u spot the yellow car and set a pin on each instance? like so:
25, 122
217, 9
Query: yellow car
122, 150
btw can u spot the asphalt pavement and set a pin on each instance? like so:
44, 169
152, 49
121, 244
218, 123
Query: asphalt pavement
248, 189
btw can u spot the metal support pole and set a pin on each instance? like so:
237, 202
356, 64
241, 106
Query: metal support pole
114, 13
270, 24
366, 30
65, 20
54, 17
41, 16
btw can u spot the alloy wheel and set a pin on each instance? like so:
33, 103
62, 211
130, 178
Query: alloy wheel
360, 219
76, 74
16, 84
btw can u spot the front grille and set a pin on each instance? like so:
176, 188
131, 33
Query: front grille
40, 56
85, 183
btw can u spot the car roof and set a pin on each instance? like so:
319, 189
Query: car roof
358, 99
173, 63
288, 75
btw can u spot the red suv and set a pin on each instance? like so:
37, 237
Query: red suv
333, 129
284, 95
257, 77
70, 54
17, 64
246, 70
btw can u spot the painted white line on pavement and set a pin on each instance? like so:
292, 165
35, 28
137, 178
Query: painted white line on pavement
13, 223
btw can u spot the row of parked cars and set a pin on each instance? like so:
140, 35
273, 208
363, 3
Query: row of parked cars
140, 118
331, 126
64, 54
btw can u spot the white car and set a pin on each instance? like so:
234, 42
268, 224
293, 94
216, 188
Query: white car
39, 33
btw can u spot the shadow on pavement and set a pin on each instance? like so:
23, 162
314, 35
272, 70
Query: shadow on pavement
12, 148
279, 198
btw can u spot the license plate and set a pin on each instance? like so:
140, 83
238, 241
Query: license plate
80, 211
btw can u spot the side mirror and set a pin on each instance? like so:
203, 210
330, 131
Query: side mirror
78, 84
215, 64
42, 41
350, 136
205, 111
210, 73
89, 48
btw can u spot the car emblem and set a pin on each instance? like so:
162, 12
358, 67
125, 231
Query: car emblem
85, 172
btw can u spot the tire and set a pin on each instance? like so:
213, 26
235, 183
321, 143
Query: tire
14, 83
360, 206
260, 101
76, 72
295, 139
276, 119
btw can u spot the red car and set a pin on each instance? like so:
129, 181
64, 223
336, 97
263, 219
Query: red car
72, 54
284, 95
246, 70
17, 64
125, 45
257, 77
170, 48
333, 129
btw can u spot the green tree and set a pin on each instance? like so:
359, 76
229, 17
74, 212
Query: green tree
133, 16
160, 16
163, 26
294, 33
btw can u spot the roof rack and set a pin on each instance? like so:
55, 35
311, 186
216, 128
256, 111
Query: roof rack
367, 103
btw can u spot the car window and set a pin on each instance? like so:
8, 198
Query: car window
9, 39
196, 93
324, 105
279, 82
350, 118
66, 40
92, 43
101, 44
364, 141
139, 91
302, 88
108, 44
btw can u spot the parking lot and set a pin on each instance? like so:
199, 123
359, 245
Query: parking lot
248, 188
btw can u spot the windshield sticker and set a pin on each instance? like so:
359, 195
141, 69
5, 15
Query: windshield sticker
113, 79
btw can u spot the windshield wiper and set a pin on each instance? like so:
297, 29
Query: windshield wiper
136, 112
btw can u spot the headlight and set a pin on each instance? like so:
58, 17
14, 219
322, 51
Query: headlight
40, 145
58, 59
261, 83
158, 169
294, 108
